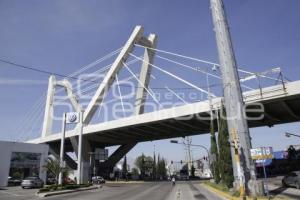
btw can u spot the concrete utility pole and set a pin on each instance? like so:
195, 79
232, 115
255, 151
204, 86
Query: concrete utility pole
79, 164
62, 148
237, 123
188, 145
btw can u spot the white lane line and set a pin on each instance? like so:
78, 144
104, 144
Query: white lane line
12, 194
178, 194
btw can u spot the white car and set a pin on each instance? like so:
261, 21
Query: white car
97, 180
32, 182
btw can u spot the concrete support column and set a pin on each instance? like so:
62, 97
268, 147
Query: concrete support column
86, 148
47, 124
145, 74
237, 124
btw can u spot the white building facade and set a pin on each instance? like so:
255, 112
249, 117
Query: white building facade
22, 160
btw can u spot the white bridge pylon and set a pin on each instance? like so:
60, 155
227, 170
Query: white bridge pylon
96, 101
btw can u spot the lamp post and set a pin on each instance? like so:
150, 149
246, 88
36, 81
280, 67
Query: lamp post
194, 145
287, 134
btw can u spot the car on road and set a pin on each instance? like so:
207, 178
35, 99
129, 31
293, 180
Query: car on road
97, 180
292, 180
13, 181
32, 182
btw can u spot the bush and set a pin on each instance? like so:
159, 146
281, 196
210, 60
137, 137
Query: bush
85, 185
219, 186
70, 187
44, 190
65, 187
52, 187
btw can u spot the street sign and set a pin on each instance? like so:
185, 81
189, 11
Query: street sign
101, 154
262, 153
72, 118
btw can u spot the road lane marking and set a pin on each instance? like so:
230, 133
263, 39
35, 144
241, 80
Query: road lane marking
178, 194
12, 194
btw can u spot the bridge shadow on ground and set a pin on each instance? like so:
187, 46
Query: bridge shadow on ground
280, 190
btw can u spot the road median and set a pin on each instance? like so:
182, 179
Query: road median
54, 193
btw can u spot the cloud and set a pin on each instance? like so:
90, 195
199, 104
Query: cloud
21, 82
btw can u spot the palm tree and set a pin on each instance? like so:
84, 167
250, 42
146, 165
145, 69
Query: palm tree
53, 167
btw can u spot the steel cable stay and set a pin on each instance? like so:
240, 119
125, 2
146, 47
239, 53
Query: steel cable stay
174, 93
32, 116
174, 76
35, 124
120, 96
84, 68
147, 90
99, 83
198, 70
202, 61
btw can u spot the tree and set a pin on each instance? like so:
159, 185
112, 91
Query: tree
144, 163
225, 159
291, 152
161, 168
185, 167
193, 171
124, 168
53, 167
154, 171
214, 154
134, 171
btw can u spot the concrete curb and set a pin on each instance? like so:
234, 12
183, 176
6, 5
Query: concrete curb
229, 197
218, 192
54, 193
124, 182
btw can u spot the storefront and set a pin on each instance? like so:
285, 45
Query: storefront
20, 160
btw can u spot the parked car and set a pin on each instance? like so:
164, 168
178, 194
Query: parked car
50, 181
292, 180
32, 182
97, 180
13, 181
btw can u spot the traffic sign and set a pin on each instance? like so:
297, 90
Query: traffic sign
262, 153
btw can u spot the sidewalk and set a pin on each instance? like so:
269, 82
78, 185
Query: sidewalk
227, 196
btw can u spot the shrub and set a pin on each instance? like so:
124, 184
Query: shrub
70, 187
44, 190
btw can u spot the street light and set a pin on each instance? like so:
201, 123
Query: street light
194, 145
287, 134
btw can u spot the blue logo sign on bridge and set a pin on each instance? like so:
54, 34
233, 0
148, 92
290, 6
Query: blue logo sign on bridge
72, 118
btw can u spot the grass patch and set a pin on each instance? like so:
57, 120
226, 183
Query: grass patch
236, 194
52, 188
220, 186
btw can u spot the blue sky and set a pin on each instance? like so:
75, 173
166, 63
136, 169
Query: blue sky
62, 36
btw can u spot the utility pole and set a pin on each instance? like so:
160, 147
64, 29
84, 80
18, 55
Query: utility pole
62, 149
234, 104
188, 146
79, 164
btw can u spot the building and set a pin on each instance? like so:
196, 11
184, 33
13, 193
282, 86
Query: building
280, 164
20, 160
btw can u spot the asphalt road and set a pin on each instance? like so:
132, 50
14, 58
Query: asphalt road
142, 191
276, 189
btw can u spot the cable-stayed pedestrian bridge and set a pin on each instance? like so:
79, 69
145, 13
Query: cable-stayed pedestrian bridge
280, 105
269, 97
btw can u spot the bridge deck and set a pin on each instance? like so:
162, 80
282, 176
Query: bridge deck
281, 106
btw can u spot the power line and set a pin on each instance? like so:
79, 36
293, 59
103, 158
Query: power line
40, 70
36, 69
